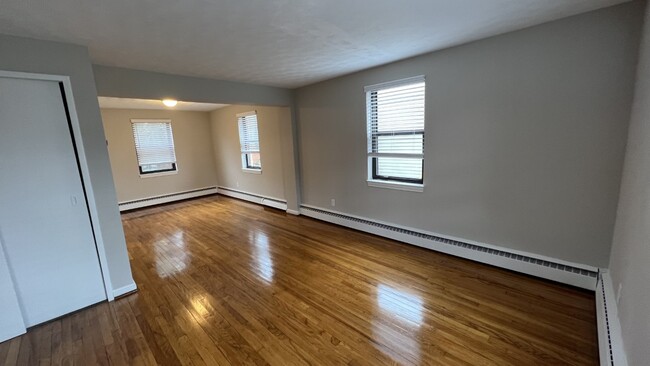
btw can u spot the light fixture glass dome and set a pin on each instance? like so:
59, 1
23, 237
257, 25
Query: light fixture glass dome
170, 102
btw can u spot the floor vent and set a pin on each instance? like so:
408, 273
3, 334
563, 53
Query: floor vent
593, 275
150, 201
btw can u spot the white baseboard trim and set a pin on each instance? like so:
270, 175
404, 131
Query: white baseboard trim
574, 274
610, 341
125, 289
293, 212
255, 198
170, 197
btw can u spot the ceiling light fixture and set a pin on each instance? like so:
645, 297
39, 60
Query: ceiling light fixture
170, 102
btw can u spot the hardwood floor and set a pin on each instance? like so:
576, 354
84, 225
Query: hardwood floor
224, 282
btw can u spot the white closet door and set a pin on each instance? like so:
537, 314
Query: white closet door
44, 222
11, 318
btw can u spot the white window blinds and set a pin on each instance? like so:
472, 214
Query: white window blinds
154, 145
395, 115
249, 140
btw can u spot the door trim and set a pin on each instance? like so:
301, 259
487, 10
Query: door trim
83, 162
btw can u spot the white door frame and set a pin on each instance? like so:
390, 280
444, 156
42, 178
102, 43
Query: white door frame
85, 175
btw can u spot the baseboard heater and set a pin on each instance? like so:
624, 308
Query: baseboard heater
609, 328
549, 268
253, 197
156, 200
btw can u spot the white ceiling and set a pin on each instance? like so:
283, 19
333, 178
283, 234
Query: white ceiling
287, 43
127, 103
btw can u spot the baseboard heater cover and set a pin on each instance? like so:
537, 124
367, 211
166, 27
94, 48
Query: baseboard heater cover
549, 268
125, 290
252, 197
610, 342
156, 200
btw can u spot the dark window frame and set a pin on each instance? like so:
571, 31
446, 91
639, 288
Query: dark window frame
173, 169
248, 163
375, 134
135, 122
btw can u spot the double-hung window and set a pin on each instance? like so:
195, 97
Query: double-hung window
395, 119
154, 145
249, 140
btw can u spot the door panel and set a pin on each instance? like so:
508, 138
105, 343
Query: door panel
44, 219
11, 318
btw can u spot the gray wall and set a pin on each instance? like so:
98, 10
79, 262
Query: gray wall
192, 143
630, 258
525, 136
276, 149
127, 83
27, 55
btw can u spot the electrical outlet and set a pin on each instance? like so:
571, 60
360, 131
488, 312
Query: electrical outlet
333, 202
619, 293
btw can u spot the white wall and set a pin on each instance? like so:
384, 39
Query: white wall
525, 136
192, 143
630, 258
276, 149
28, 55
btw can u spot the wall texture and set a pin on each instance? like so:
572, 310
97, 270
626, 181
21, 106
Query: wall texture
28, 55
630, 257
276, 149
525, 136
195, 159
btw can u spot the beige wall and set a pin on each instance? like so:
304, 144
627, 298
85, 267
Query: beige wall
276, 148
525, 137
630, 258
194, 155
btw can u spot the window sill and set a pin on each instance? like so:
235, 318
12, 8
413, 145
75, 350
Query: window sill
153, 175
252, 171
410, 187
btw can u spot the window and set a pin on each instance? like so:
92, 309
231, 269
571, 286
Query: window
154, 145
395, 117
249, 141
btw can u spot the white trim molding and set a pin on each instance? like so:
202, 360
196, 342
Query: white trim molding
401, 186
170, 197
610, 341
293, 212
394, 83
245, 114
125, 290
575, 274
251, 171
255, 198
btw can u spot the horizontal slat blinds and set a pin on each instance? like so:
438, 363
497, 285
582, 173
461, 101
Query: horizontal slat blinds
396, 130
154, 142
248, 136
249, 140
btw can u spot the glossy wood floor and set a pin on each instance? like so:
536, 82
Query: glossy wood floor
224, 282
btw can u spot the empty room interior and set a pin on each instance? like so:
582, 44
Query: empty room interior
431, 182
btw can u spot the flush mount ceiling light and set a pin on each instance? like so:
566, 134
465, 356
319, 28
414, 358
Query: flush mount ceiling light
170, 102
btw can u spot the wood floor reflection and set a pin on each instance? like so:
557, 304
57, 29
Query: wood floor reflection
224, 282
